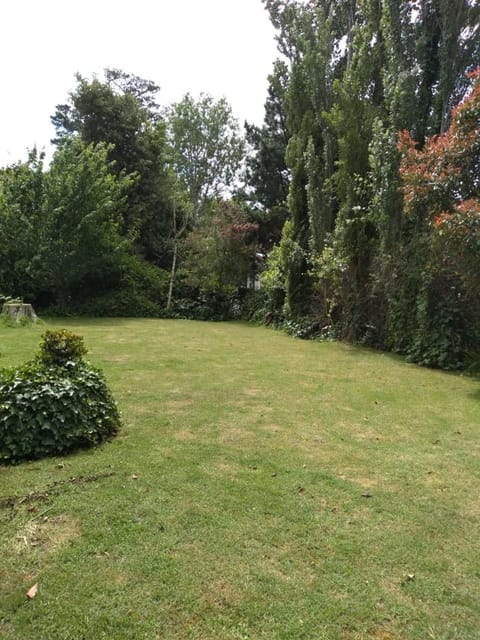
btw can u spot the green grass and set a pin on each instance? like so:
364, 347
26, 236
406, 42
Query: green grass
261, 488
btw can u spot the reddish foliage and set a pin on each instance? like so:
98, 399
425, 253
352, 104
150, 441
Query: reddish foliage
446, 171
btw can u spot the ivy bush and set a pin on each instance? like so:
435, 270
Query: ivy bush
54, 404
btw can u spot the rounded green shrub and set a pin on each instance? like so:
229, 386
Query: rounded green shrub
51, 409
60, 346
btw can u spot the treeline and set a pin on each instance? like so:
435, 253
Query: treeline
381, 106
133, 216
357, 199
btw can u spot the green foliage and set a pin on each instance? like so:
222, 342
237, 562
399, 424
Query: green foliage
113, 110
219, 253
440, 188
207, 147
273, 278
50, 410
139, 290
206, 304
59, 347
441, 323
121, 112
360, 255
304, 328
267, 174
22, 226
253, 305
85, 201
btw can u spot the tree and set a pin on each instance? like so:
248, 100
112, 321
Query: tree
267, 176
358, 72
431, 279
441, 186
22, 222
307, 38
220, 250
267, 173
447, 47
116, 110
122, 112
82, 253
207, 147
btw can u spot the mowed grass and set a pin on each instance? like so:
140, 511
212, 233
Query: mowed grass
261, 488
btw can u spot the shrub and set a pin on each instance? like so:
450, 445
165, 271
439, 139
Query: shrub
138, 289
210, 305
305, 328
55, 403
253, 305
115, 304
61, 346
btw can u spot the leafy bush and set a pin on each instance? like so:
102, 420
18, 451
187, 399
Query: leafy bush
61, 346
115, 304
139, 291
445, 329
212, 305
48, 408
305, 328
253, 304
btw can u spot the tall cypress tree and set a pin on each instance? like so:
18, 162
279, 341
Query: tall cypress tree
360, 71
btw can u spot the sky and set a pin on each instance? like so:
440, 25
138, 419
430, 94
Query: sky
221, 47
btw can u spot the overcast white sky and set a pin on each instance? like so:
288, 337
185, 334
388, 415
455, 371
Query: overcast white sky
222, 47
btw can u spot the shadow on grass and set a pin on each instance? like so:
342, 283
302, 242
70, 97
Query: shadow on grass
357, 350
475, 394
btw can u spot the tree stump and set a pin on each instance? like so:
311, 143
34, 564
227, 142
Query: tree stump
16, 311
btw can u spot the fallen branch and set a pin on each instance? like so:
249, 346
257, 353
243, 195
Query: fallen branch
44, 494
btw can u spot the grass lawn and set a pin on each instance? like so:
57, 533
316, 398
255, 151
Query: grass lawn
261, 488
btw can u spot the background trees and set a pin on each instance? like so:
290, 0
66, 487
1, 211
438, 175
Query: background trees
358, 73
361, 185
98, 230
441, 187
22, 209
218, 254
83, 247
122, 112
207, 148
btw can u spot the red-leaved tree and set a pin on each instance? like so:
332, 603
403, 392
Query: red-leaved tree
441, 188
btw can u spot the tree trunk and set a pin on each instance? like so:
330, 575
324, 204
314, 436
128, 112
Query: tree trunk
172, 274
16, 311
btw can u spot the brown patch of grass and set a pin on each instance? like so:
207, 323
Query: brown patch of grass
175, 405
221, 594
184, 435
253, 392
46, 535
119, 358
393, 587
365, 433
236, 436
225, 469
382, 633
272, 428
365, 483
